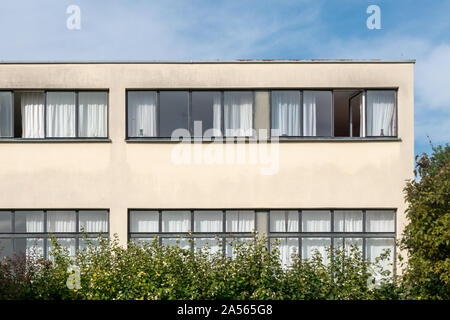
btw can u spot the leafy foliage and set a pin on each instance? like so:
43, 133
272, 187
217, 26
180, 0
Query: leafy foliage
427, 236
150, 271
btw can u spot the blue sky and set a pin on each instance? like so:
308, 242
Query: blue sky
224, 30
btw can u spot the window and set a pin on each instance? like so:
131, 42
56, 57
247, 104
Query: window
381, 113
53, 114
192, 229
334, 113
207, 110
304, 231
173, 112
28, 231
286, 113
204, 114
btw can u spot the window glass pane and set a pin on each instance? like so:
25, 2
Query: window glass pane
32, 114
238, 113
61, 221
142, 113
208, 221
67, 243
286, 113
310, 245
316, 221
287, 248
6, 248
176, 221
173, 112
6, 114
29, 221
143, 240
377, 246
206, 108
93, 221
381, 113
183, 243
5, 221
240, 221
347, 243
348, 221
278, 221
30, 246
231, 243
93, 114
144, 221
380, 221
317, 113
214, 245
60, 114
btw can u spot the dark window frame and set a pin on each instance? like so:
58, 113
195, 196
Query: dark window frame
191, 234
332, 235
222, 137
45, 235
76, 137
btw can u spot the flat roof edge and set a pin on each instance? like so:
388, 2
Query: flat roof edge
238, 61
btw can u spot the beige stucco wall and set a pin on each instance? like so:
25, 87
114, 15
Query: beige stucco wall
121, 175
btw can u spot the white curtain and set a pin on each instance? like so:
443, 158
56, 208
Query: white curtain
213, 244
238, 113
182, 243
375, 247
309, 114
286, 112
61, 221
287, 247
316, 221
208, 221
34, 222
176, 221
240, 221
310, 245
142, 114
93, 221
380, 221
381, 113
93, 114
144, 221
32, 108
60, 114
278, 221
348, 221
230, 245
6, 112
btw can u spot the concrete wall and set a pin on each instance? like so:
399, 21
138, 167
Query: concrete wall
118, 175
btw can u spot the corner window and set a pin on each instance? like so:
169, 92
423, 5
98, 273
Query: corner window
381, 113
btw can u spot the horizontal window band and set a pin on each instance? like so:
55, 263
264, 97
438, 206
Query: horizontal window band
56, 140
90, 235
275, 140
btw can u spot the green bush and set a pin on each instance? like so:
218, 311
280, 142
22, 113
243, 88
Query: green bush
150, 271
427, 236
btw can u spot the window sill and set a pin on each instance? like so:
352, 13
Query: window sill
57, 140
253, 139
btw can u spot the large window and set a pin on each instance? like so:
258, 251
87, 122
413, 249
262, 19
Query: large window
29, 231
192, 229
305, 231
334, 113
53, 114
157, 114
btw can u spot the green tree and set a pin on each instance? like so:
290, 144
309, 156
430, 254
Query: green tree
427, 236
